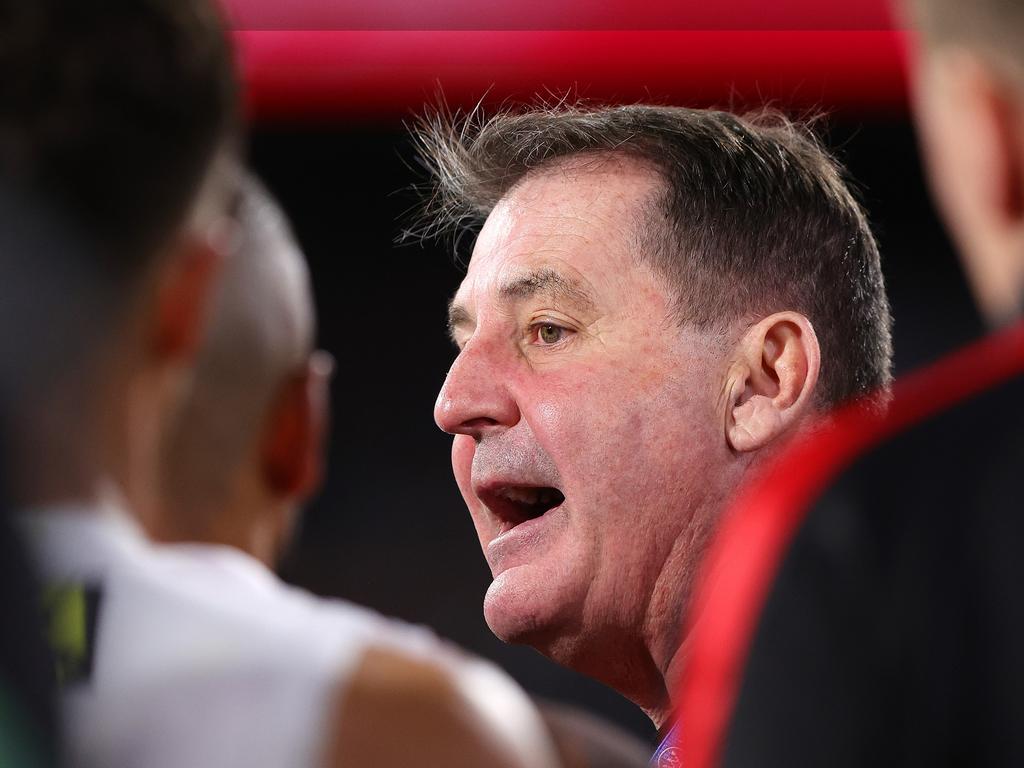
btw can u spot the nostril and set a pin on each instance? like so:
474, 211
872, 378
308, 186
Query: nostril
476, 428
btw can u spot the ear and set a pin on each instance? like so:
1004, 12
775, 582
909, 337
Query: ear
182, 293
771, 382
968, 115
292, 446
972, 129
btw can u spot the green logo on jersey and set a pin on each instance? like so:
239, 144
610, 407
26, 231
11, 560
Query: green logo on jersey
71, 611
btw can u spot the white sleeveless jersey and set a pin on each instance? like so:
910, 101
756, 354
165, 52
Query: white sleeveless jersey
192, 656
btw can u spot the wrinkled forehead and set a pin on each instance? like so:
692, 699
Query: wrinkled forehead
581, 219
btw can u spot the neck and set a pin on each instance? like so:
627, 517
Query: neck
672, 676
70, 444
668, 622
643, 663
46, 473
664, 634
54, 448
248, 521
131, 440
257, 535
666, 619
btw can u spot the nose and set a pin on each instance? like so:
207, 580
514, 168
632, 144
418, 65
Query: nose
475, 398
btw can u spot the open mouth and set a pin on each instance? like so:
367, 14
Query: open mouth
515, 504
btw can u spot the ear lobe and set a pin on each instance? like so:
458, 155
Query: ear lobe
772, 382
181, 300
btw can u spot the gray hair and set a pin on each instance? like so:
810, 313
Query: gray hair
753, 215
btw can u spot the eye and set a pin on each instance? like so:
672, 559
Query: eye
548, 334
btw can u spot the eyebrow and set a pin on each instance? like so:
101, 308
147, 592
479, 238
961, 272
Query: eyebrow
458, 316
522, 287
549, 282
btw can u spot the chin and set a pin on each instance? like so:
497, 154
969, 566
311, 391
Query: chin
523, 608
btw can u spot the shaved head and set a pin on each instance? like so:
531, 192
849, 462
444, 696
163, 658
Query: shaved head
261, 331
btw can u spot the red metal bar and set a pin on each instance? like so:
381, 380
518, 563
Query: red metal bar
346, 74
559, 14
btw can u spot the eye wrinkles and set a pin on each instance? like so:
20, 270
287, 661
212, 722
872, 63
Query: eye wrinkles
541, 282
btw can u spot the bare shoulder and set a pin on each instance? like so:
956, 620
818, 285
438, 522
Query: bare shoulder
585, 739
397, 710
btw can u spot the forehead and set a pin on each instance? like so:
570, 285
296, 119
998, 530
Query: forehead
579, 219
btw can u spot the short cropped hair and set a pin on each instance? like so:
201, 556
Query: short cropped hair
111, 112
753, 216
261, 329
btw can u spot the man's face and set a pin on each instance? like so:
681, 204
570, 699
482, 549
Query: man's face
587, 421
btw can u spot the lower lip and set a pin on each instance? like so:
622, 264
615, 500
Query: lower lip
506, 550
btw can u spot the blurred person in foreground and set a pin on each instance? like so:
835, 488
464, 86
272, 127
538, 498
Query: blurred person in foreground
657, 299
121, 117
245, 447
245, 451
878, 618
29, 726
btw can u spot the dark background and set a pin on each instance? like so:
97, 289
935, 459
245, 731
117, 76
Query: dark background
389, 529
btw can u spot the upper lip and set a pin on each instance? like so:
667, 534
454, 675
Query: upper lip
514, 502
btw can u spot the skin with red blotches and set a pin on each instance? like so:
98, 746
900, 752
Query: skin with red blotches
574, 374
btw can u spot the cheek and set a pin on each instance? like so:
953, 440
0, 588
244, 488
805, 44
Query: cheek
626, 441
596, 422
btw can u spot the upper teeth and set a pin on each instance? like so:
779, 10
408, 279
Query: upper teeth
531, 496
